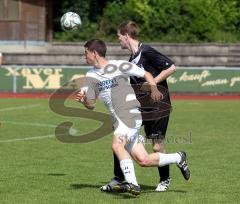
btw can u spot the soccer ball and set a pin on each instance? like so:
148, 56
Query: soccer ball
70, 21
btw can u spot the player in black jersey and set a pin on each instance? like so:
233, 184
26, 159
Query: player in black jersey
161, 67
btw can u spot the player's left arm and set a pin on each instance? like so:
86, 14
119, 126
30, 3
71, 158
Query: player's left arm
165, 74
160, 62
134, 70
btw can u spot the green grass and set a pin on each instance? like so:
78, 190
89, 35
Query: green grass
45, 170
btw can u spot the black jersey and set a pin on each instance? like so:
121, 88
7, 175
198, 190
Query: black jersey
150, 60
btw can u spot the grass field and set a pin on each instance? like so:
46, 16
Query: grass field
37, 168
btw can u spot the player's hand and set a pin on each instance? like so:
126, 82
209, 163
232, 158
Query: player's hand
81, 96
145, 87
156, 95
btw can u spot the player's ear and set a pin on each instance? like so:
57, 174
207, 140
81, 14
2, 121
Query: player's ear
126, 36
95, 53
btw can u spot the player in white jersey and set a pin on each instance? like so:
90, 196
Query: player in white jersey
109, 81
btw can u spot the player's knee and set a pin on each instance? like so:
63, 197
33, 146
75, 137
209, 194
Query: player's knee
158, 147
115, 147
118, 143
143, 161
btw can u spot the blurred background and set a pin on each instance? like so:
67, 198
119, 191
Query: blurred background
37, 57
201, 36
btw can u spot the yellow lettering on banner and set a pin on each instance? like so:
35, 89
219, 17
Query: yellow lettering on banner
171, 80
12, 72
57, 71
234, 80
35, 81
25, 72
48, 71
194, 77
215, 82
37, 71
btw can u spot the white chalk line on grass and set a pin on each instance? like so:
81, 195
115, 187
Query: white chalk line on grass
28, 124
20, 107
72, 131
27, 138
193, 103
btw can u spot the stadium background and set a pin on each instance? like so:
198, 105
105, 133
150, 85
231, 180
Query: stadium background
38, 58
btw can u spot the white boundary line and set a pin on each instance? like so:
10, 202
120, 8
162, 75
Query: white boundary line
27, 138
72, 131
20, 107
28, 124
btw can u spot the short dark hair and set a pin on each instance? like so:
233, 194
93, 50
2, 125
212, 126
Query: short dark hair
96, 45
130, 28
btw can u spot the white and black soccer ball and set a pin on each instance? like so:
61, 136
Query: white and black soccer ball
70, 21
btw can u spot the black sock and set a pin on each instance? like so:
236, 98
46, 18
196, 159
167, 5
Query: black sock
163, 172
117, 169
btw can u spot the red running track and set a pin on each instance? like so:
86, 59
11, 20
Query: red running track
173, 96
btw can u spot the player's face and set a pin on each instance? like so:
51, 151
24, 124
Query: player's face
90, 57
122, 40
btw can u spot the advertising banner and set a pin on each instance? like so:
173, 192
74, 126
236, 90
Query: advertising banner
23, 79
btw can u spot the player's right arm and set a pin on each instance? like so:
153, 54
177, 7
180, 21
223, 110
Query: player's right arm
156, 95
161, 62
134, 70
88, 103
88, 93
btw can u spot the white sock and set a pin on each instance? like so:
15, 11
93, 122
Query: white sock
166, 159
128, 171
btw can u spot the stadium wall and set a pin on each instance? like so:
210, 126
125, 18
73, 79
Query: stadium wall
203, 80
72, 54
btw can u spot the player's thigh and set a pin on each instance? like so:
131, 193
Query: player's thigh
118, 147
119, 140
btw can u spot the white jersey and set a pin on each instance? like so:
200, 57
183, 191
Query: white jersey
111, 86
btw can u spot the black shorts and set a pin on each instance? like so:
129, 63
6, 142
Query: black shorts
156, 129
155, 115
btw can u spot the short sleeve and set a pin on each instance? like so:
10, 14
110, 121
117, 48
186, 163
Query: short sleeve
157, 59
132, 70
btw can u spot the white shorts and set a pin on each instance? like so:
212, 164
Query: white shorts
131, 134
